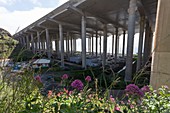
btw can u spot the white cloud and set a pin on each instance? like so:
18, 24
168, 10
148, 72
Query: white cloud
12, 20
60, 2
36, 2
7, 2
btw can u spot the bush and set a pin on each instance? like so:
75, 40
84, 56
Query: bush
21, 93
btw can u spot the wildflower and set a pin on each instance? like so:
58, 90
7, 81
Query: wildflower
38, 78
70, 92
166, 87
77, 84
64, 77
122, 102
50, 93
66, 91
112, 99
117, 108
132, 106
145, 89
88, 78
133, 89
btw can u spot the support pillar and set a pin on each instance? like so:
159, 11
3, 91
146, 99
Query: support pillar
160, 70
83, 38
104, 46
38, 39
131, 32
32, 43
100, 44
116, 44
147, 46
92, 45
28, 42
112, 44
89, 45
48, 44
35, 45
24, 41
123, 48
57, 44
68, 45
74, 45
62, 44
71, 44
140, 45
96, 43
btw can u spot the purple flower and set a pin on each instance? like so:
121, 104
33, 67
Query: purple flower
38, 78
133, 89
64, 77
166, 87
88, 78
145, 89
77, 84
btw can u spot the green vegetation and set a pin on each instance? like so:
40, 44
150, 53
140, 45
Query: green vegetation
21, 54
7, 44
21, 93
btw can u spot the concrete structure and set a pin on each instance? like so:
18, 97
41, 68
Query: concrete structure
81, 19
161, 56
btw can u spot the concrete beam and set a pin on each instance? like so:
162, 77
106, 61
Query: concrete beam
104, 21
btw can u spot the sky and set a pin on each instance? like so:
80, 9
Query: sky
18, 14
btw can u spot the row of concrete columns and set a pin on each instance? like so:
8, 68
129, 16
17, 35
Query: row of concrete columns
130, 42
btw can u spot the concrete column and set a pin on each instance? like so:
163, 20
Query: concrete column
68, 45
147, 46
92, 44
100, 44
48, 43
20, 41
74, 44
32, 43
38, 39
123, 48
57, 44
96, 43
43, 45
116, 44
131, 32
35, 45
62, 44
105, 46
112, 44
160, 71
24, 41
89, 45
83, 38
66, 40
71, 44
28, 42
140, 45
